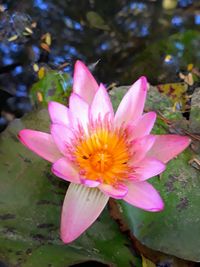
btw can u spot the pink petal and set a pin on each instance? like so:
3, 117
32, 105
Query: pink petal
58, 113
132, 104
167, 147
143, 126
79, 111
62, 136
64, 169
40, 143
82, 206
147, 168
116, 192
101, 105
90, 183
84, 83
144, 196
140, 147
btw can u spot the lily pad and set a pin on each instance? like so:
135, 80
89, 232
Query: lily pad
175, 230
54, 86
30, 206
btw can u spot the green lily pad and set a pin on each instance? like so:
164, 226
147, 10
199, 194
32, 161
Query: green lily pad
30, 206
175, 230
55, 86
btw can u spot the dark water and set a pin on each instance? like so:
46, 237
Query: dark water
126, 38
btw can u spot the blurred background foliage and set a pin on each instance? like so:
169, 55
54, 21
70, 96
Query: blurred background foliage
118, 40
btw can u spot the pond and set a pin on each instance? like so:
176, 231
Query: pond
119, 40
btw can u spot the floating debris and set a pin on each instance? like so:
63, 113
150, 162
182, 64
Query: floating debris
39, 97
13, 38
45, 47
41, 73
36, 67
28, 30
168, 58
46, 42
62, 66
177, 92
48, 39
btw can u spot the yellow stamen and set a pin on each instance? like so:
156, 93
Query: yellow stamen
103, 155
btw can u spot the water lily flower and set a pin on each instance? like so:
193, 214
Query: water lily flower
103, 154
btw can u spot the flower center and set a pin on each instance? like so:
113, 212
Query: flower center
101, 161
103, 156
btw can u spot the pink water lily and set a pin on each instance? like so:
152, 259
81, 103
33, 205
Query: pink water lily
101, 153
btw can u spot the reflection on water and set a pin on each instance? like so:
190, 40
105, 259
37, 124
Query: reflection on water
122, 36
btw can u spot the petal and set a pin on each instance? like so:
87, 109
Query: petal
101, 105
62, 136
140, 147
143, 126
115, 192
169, 146
144, 196
40, 143
132, 104
64, 169
58, 113
84, 83
79, 111
147, 168
90, 183
82, 206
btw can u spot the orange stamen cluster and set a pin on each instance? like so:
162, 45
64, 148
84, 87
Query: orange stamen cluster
103, 155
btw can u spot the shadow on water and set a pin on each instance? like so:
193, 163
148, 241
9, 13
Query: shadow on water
119, 40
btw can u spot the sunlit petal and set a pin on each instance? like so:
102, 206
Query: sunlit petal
101, 105
140, 147
84, 83
82, 206
143, 195
64, 169
58, 113
132, 104
79, 111
143, 126
147, 168
62, 136
167, 147
40, 143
